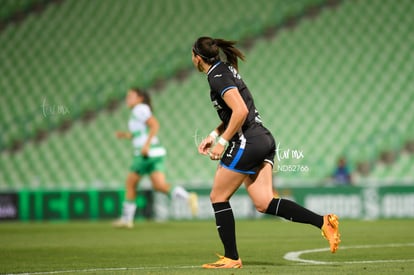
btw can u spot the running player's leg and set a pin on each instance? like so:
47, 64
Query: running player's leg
259, 188
160, 184
131, 186
129, 204
156, 170
226, 182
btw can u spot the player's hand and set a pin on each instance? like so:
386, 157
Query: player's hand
216, 152
205, 145
145, 151
120, 134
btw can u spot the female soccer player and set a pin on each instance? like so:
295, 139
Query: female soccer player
246, 151
148, 159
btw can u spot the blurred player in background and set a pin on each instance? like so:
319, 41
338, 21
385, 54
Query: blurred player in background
342, 175
246, 151
149, 157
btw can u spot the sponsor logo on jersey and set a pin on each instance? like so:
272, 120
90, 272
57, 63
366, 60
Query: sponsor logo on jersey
234, 72
216, 105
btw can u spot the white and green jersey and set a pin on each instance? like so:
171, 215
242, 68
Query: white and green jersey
139, 129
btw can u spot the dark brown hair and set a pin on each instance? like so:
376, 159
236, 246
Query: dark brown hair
144, 94
209, 50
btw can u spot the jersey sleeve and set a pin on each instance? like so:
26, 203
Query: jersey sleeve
141, 113
222, 82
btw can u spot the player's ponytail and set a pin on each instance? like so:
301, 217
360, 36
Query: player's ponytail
209, 50
232, 53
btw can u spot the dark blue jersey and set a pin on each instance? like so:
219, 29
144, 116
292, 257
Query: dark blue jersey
223, 77
253, 144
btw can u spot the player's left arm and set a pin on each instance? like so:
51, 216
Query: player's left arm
239, 114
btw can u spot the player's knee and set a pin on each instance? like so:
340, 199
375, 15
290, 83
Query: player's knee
161, 187
214, 198
261, 207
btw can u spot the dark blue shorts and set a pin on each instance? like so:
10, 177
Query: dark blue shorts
247, 154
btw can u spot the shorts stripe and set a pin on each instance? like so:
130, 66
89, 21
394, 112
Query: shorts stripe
240, 151
236, 158
237, 170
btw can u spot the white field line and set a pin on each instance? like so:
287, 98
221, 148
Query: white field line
295, 256
290, 256
144, 268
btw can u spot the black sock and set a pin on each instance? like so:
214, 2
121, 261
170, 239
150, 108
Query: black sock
226, 228
293, 212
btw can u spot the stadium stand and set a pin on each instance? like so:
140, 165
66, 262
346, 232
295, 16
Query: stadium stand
348, 77
15, 9
336, 83
62, 49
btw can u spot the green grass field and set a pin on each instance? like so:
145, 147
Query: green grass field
368, 247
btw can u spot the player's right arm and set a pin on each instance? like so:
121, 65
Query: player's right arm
123, 134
